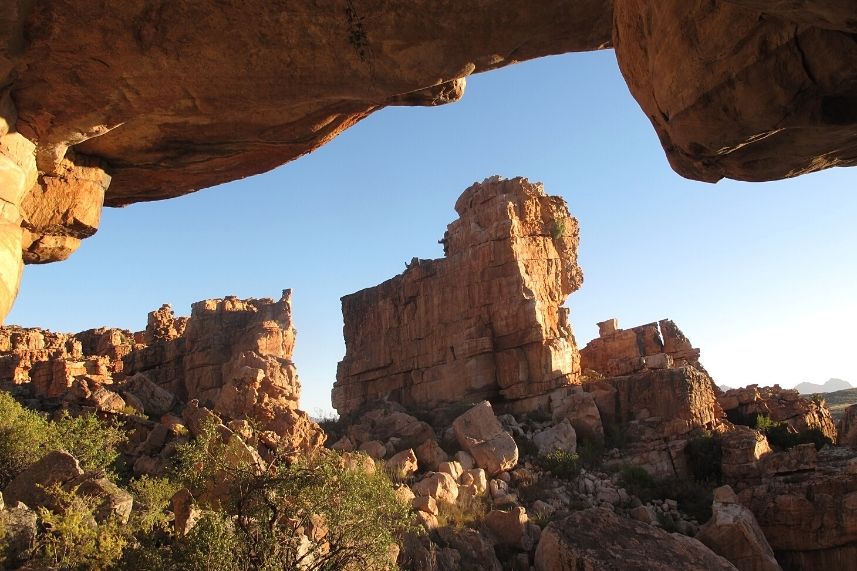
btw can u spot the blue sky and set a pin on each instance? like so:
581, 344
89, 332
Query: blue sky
761, 277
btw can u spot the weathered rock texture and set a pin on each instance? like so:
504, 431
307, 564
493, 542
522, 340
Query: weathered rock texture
616, 352
808, 511
744, 89
735, 534
598, 540
486, 321
744, 405
649, 386
847, 429
231, 355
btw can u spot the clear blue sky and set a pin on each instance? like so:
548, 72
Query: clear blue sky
761, 277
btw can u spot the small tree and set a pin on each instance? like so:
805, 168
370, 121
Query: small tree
309, 513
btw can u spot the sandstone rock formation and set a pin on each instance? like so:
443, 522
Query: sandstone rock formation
616, 352
847, 429
743, 89
809, 513
160, 100
486, 321
744, 405
599, 540
648, 385
233, 356
733, 533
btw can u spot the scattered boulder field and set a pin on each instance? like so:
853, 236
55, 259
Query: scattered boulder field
462, 381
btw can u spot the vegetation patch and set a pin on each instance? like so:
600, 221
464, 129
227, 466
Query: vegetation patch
782, 436
562, 464
704, 455
26, 436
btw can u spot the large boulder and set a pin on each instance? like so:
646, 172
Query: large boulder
597, 539
438, 485
33, 485
561, 436
156, 401
734, 533
109, 499
480, 434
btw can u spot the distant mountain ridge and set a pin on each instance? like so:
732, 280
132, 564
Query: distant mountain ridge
832, 385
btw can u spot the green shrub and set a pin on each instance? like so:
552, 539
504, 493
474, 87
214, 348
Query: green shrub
214, 544
704, 455
694, 498
94, 442
70, 538
591, 452
26, 436
273, 505
468, 511
23, 438
562, 464
526, 446
4, 547
781, 436
558, 228
151, 502
614, 436
637, 481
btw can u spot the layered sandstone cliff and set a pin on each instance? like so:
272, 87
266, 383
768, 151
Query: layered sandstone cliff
231, 355
486, 321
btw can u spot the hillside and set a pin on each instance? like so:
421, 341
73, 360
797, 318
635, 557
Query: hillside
838, 401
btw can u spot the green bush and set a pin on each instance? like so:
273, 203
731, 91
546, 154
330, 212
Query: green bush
468, 511
214, 544
637, 481
614, 436
558, 228
70, 538
151, 502
704, 456
562, 464
277, 507
94, 442
526, 446
781, 436
591, 452
26, 436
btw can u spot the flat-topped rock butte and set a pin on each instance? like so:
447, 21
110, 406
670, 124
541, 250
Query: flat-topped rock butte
154, 100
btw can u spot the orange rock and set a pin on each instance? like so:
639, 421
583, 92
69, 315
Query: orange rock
743, 405
486, 321
734, 89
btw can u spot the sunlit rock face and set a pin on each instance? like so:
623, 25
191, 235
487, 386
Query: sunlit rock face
484, 322
744, 89
231, 355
